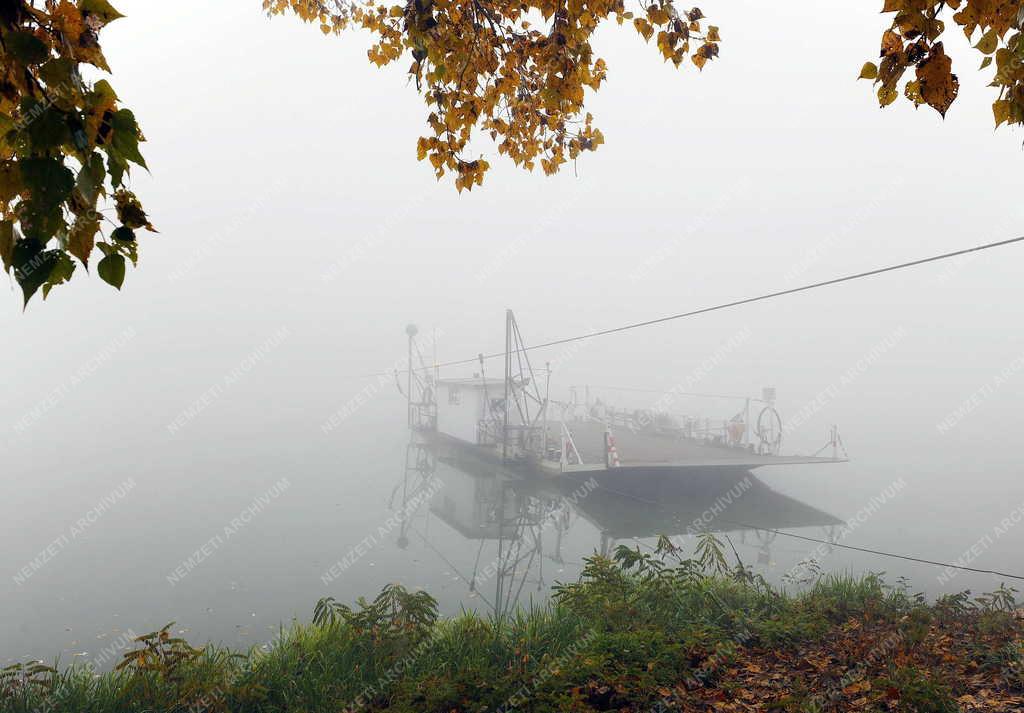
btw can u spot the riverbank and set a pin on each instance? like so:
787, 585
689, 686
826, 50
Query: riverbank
636, 633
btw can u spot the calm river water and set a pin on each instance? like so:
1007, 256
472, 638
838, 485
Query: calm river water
233, 536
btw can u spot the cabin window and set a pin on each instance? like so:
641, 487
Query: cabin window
454, 396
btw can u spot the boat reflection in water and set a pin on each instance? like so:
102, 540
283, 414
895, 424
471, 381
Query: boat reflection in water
516, 525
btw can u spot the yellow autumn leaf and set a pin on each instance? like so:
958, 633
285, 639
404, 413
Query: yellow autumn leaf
643, 27
892, 43
70, 19
988, 42
939, 86
1001, 111
886, 96
913, 92
657, 15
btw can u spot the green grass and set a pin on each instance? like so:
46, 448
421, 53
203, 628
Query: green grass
630, 627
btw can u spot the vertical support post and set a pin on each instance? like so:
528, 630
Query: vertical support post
500, 579
408, 386
547, 400
607, 446
746, 424
410, 331
508, 376
563, 459
487, 411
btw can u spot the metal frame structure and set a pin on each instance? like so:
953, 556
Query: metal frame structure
525, 436
835, 442
420, 387
420, 465
522, 389
520, 543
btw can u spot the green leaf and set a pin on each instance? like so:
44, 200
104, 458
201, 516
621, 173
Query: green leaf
115, 167
102, 94
111, 269
126, 136
26, 47
6, 243
42, 224
985, 62
32, 265
124, 234
58, 74
101, 8
49, 130
90, 179
62, 271
10, 181
49, 180
130, 250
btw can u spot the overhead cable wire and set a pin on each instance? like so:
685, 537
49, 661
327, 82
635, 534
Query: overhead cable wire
663, 391
726, 305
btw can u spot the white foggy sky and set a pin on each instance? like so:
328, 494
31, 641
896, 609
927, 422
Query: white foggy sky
733, 175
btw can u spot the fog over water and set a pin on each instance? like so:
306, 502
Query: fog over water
299, 236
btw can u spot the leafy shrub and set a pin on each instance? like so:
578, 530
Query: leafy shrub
919, 693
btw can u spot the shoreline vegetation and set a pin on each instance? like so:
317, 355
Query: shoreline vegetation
639, 632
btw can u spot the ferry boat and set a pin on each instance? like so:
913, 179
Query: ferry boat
512, 420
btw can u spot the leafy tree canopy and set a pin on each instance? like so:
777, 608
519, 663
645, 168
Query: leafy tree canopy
517, 71
914, 41
67, 148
